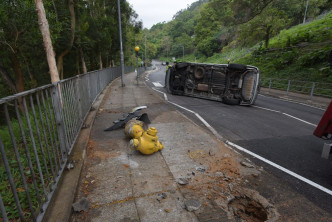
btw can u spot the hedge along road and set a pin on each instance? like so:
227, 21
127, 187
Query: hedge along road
279, 132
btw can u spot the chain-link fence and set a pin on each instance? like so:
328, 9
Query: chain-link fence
38, 130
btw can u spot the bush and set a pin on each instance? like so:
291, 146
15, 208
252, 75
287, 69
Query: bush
312, 58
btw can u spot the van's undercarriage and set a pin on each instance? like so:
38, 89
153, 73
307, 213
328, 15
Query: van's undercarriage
229, 83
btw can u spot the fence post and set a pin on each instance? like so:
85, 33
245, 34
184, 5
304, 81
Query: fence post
312, 90
270, 85
78, 97
289, 82
60, 124
3, 211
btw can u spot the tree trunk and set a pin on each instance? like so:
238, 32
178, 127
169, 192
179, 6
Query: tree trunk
67, 50
78, 62
8, 79
100, 61
19, 81
44, 28
83, 61
267, 36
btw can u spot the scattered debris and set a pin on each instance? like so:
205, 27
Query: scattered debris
227, 155
81, 205
201, 169
182, 181
133, 114
211, 153
219, 174
196, 154
167, 210
192, 204
161, 196
230, 186
227, 178
70, 165
246, 164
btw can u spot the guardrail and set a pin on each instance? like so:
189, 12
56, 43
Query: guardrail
38, 129
304, 87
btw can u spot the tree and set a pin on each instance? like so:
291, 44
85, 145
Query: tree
44, 28
263, 27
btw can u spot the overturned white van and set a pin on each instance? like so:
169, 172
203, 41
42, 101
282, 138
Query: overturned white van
233, 84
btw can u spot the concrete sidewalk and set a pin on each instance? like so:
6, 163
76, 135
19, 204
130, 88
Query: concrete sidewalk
196, 177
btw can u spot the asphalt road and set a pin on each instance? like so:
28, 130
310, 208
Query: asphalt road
277, 130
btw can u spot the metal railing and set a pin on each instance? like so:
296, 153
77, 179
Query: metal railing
304, 87
38, 129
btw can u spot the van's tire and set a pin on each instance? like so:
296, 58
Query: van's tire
231, 101
235, 66
181, 65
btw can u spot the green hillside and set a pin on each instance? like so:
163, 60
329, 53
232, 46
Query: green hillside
300, 52
268, 34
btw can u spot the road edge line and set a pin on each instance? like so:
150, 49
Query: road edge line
214, 132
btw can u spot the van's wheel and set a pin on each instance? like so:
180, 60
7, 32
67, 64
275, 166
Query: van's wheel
231, 101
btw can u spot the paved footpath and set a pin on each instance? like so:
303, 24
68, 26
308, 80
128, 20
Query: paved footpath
196, 177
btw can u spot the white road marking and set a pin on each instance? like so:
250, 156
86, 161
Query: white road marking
165, 97
281, 168
299, 119
157, 84
286, 114
254, 154
291, 101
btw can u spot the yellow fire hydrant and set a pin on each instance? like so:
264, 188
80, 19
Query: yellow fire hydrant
134, 128
148, 143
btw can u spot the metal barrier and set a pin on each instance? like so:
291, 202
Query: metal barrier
38, 129
304, 87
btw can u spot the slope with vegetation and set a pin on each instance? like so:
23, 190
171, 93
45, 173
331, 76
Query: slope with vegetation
269, 34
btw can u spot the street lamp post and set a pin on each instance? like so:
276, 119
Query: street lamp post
137, 50
121, 49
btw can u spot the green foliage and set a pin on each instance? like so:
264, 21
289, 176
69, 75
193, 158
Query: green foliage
96, 36
44, 153
314, 57
208, 46
317, 31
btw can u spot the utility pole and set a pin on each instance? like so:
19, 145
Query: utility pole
121, 49
305, 12
137, 50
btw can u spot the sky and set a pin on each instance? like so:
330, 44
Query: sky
153, 11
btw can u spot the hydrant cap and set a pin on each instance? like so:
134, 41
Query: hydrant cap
152, 131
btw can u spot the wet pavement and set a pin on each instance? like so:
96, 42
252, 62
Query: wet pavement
196, 177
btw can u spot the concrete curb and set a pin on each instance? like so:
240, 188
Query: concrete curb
60, 208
